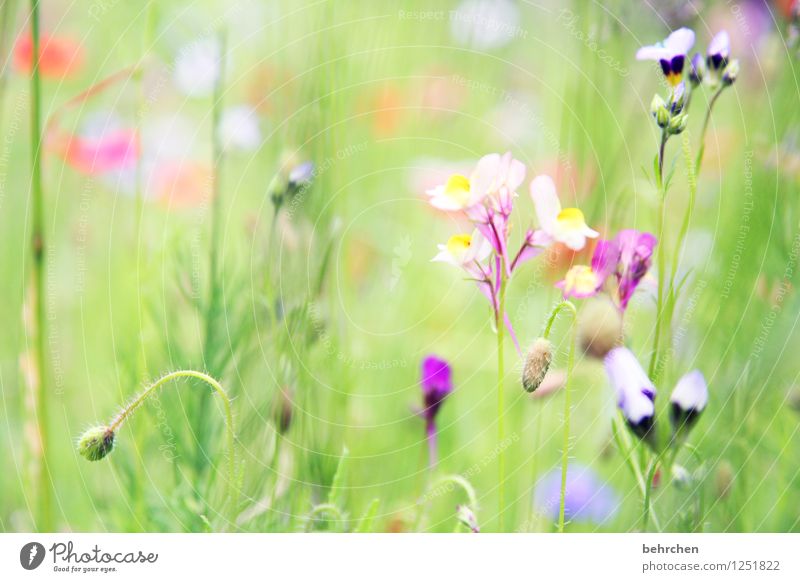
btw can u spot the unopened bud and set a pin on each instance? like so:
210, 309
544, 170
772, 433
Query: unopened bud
697, 70
467, 517
658, 108
724, 479
681, 477
678, 123
677, 99
730, 73
282, 410
96, 443
540, 356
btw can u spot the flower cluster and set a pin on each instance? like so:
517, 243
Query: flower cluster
716, 70
636, 396
486, 198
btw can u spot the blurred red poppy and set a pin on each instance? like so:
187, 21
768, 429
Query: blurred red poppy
58, 56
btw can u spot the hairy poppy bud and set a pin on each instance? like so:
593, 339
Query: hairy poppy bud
540, 355
600, 328
96, 443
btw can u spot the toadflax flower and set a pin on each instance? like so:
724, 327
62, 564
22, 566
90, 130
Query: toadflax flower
492, 173
670, 54
566, 226
627, 258
586, 499
466, 251
436, 383
635, 392
688, 400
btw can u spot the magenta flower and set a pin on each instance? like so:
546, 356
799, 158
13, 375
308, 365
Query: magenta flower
627, 257
635, 258
436, 383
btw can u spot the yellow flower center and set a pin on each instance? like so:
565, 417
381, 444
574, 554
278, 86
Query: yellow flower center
571, 219
458, 244
457, 188
674, 79
580, 279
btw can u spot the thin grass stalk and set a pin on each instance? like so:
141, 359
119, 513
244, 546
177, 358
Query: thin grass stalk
567, 404
662, 195
45, 518
501, 457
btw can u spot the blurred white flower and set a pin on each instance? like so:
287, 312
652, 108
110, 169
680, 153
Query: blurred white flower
239, 129
197, 67
485, 24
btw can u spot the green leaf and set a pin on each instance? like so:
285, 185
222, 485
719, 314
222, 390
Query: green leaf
365, 523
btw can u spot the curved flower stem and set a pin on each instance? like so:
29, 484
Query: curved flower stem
501, 456
233, 490
567, 404
39, 285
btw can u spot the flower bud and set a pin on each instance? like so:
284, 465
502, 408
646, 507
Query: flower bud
688, 400
723, 480
681, 477
677, 99
697, 70
730, 73
540, 356
282, 410
96, 443
467, 517
659, 111
599, 328
678, 123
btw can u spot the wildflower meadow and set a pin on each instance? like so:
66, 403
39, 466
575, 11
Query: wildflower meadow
467, 266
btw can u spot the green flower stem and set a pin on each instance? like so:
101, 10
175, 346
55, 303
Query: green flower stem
706, 121
216, 202
45, 502
648, 489
567, 403
501, 456
233, 490
662, 192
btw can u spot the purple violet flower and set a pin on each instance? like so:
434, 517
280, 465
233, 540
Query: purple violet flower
436, 382
635, 392
587, 498
670, 53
